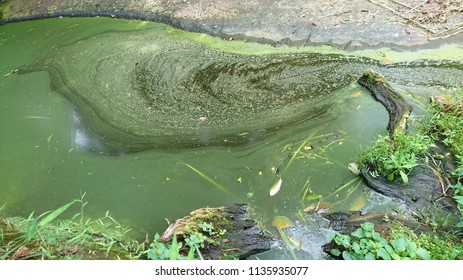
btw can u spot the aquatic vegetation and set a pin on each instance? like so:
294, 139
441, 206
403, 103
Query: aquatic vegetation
148, 89
280, 223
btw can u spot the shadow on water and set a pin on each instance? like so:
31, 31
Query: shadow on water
269, 127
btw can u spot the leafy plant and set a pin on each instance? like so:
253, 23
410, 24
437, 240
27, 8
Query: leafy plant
443, 247
396, 156
445, 123
49, 237
366, 244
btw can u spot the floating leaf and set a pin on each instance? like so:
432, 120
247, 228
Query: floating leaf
359, 203
281, 222
353, 168
356, 94
276, 187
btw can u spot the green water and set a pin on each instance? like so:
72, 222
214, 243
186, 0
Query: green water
43, 164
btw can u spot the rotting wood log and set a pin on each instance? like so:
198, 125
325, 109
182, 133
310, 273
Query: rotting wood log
241, 237
399, 110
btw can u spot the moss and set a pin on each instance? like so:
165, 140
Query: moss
211, 216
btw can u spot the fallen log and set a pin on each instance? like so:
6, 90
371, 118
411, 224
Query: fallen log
399, 110
234, 234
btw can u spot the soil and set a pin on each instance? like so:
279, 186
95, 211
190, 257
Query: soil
348, 24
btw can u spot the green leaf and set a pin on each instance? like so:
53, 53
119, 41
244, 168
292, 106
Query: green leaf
390, 177
370, 256
314, 197
423, 254
367, 226
346, 255
335, 252
356, 247
358, 233
412, 247
389, 249
53, 215
403, 176
31, 229
174, 249
399, 244
383, 254
396, 257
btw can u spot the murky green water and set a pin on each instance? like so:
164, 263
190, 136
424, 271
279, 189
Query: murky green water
43, 164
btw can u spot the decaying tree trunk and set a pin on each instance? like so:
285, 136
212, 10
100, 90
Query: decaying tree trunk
234, 233
395, 104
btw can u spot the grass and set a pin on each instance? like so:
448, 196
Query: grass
49, 237
396, 156
445, 126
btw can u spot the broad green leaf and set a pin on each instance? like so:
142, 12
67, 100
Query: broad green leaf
412, 247
356, 247
346, 255
390, 177
367, 226
403, 176
358, 233
53, 215
335, 252
382, 253
370, 256
423, 254
399, 244
389, 249
396, 257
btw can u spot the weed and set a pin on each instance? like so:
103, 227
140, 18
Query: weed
48, 237
366, 244
396, 156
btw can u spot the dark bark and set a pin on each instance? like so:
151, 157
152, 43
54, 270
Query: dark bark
395, 104
241, 240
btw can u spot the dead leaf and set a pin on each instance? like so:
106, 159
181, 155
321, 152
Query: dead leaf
356, 94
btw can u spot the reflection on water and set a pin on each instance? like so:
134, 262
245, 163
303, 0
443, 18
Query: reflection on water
44, 161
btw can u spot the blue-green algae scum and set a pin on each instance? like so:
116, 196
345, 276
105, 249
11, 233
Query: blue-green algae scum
128, 113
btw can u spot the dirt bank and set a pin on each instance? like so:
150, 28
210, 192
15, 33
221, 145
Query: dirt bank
352, 24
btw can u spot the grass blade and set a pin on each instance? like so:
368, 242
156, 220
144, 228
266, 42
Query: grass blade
53, 215
174, 249
287, 243
311, 136
210, 180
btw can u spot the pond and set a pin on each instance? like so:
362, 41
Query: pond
52, 152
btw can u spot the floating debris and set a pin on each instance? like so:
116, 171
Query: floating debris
276, 187
281, 222
356, 94
353, 167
